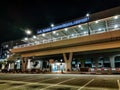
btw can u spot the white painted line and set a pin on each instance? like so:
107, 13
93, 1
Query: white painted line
47, 79
118, 84
57, 83
85, 84
29, 83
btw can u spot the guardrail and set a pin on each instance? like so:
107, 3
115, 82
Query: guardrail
86, 33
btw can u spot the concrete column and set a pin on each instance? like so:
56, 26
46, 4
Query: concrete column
29, 64
96, 62
24, 63
112, 61
68, 62
51, 61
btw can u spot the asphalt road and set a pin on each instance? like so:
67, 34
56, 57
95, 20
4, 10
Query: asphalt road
59, 82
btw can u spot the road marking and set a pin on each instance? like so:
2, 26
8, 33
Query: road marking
57, 83
118, 84
29, 83
47, 79
85, 84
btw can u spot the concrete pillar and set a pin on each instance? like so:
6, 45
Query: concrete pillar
68, 61
112, 61
82, 63
24, 64
51, 61
96, 62
29, 64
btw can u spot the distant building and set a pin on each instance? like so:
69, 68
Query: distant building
7, 46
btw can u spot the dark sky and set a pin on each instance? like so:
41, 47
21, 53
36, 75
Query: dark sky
18, 15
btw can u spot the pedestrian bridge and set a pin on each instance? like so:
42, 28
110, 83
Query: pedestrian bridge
102, 41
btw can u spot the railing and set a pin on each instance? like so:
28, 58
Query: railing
102, 30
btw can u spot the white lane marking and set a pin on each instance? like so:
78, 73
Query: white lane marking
118, 84
47, 80
57, 83
29, 83
85, 84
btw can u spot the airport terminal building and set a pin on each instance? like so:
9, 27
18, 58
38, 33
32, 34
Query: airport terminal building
92, 41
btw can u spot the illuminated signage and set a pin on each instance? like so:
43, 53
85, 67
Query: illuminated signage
64, 25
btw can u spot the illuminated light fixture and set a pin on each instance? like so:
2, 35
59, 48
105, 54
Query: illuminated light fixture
85, 32
28, 32
87, 14
52, 25
99, 29
79, 26
115, 17
96, 21
26, 38
66, 29
54, 32
34, 37
43, 34
72, 34
116, 26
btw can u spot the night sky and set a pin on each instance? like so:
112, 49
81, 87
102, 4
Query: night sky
18, 15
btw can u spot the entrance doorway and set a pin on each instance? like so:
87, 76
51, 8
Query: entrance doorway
58, 67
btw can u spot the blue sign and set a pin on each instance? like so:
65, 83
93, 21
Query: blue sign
64, 25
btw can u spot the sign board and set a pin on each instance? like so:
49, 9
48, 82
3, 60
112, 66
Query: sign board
64, 25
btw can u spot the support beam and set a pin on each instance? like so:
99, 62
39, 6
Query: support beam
68, 61
91, 47
24, 64
112, 61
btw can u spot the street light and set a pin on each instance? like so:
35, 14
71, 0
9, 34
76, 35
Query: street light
87, 15
28, 32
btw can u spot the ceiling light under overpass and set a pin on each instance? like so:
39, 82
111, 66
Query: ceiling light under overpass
54, 32
34, 37
115, 17
26, 38
115, 26
66, 29
85, 32
43, 34
97, 21
99, 29
79, 26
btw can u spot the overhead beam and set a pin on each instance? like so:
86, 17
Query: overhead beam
91, 47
